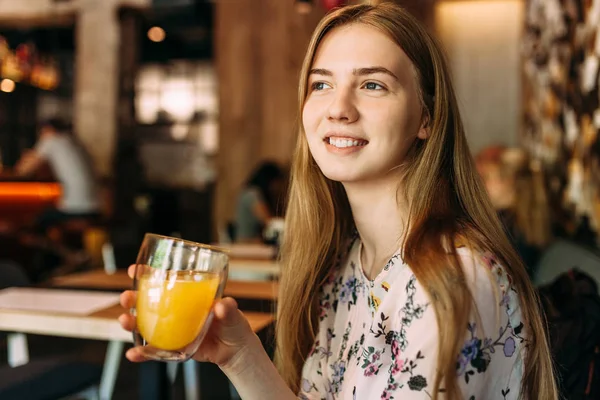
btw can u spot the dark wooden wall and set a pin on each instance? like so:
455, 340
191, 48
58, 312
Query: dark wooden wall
259, 51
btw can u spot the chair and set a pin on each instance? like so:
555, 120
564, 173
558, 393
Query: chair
71, 232
563, 255
12, 275
50, 378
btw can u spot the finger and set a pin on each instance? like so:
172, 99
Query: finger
127, 321
135, 355
225, 306
127, 299
226, 311
131, 271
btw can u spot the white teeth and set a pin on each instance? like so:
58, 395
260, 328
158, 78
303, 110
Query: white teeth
342, 143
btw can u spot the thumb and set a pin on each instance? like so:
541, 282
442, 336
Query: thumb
227, 313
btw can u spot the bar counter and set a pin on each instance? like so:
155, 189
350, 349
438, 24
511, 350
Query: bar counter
17, 192
21, 201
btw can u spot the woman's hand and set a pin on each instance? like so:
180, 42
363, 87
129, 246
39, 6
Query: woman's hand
228, 337
231, 344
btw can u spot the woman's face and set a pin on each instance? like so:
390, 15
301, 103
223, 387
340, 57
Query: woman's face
362, 111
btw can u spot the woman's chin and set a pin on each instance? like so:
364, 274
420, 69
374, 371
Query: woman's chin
343, 176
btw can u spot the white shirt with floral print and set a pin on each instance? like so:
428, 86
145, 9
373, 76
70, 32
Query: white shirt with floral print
378, 338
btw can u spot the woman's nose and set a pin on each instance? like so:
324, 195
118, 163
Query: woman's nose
342, 107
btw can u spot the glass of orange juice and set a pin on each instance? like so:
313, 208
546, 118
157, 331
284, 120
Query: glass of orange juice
177, 283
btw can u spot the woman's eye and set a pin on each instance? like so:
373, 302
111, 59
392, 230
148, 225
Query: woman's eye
319, 86
373, 86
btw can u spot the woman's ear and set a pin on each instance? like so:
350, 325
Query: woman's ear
424, 129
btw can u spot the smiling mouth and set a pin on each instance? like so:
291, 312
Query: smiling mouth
341, 143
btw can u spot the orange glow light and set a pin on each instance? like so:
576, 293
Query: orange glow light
7, 85
26, 192
156, 34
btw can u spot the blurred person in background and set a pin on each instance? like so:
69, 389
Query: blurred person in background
70, 166
517, 191
259, 202
397, 278
57, 235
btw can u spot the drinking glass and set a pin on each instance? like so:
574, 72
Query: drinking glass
177, 283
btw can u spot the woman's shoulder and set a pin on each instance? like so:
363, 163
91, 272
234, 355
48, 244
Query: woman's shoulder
482, 266
494, 295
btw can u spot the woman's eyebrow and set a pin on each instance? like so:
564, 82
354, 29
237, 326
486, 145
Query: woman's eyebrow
320, 71
374, 70
356, 71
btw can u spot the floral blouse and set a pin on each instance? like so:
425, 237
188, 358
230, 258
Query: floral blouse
378, 338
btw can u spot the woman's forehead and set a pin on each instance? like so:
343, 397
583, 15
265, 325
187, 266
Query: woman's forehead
358, 46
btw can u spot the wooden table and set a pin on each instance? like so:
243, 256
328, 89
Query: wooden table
246, 262
249, 251
99, 325
248, 269
119, 281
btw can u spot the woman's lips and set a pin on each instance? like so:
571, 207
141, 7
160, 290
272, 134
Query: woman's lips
344, 145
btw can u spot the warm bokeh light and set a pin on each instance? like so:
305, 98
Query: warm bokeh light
156, 34
303, 6
26, 192
179, 131
7, 85
178, 99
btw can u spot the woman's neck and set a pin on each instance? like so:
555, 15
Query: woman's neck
380, 220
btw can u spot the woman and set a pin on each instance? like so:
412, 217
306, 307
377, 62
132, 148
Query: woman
395, 280
517, 191
258, 202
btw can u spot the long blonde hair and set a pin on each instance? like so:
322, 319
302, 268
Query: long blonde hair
446, 199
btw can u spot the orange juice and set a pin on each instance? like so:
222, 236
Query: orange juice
171, 309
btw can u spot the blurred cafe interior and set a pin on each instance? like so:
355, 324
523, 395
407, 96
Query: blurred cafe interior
178, 117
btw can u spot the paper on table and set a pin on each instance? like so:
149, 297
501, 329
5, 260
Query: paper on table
75, 302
